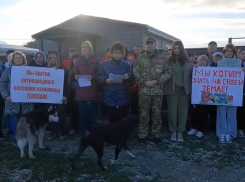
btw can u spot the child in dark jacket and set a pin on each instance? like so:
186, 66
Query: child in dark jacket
116, 96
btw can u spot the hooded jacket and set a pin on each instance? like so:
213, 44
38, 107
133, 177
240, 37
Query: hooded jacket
37, 64
59, 66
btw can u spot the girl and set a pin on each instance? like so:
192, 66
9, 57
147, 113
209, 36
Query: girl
116, 95
241, 110
87, 97
13, 110
53, 61
226, 124
199, 115
178, 90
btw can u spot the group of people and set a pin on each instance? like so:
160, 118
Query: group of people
149, 77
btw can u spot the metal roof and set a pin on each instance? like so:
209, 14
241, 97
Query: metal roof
25, 50
147, 27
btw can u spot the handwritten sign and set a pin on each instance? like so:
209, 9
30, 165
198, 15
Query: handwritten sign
36, 85
217, 86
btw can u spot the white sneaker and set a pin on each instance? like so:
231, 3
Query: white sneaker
72, 132
222, 139
192, 132
228, 138
240, 134
199, 134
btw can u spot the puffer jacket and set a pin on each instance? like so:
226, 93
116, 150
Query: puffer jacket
115, 94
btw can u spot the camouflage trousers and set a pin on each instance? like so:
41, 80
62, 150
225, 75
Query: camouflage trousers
147, 102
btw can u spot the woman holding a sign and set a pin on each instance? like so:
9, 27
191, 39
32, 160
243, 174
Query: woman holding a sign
178, 90
12, 109
226, 122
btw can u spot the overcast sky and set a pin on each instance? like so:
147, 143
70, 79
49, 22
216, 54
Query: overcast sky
195, 22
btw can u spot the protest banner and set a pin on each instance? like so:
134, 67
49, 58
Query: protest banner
217, 86
36, 85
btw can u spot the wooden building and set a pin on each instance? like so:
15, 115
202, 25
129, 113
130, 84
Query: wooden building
102, 32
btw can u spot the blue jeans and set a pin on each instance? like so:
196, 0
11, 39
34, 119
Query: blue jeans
13, 122
87, 115
226, 122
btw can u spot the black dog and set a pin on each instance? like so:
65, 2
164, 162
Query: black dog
115, 134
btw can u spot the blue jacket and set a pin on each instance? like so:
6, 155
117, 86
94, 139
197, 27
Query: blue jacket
115, 94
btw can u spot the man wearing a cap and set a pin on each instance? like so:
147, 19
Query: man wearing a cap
67, 62
212, 48
151, 71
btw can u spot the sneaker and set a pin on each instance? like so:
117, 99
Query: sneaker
180, 137
240, 134
72, 132
51, 137
228, 138
199, 134
157, 141
192, 132
142, 141
9, 132
173, 137
222, 139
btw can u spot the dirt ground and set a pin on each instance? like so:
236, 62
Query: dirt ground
197, 159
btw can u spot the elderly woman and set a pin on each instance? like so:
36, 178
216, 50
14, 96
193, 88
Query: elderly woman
13, 110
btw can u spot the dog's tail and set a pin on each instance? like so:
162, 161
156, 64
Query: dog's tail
84, 143
22, 142
32, 128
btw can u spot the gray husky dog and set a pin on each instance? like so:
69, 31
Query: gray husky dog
33, 122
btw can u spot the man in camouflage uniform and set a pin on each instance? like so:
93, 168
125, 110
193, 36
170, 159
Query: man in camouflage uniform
151, 71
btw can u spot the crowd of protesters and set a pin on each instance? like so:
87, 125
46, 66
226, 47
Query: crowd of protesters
152, 81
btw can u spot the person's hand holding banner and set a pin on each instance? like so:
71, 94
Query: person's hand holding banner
8, 99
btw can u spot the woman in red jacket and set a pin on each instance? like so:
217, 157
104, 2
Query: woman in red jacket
87, 97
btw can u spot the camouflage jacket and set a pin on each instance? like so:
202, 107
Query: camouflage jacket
149, 68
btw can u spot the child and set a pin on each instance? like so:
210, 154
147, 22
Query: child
241, 110
199, 115
216, 57
226, 123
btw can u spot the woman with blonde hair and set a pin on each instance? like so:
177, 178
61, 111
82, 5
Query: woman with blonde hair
12, 109
87, 97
